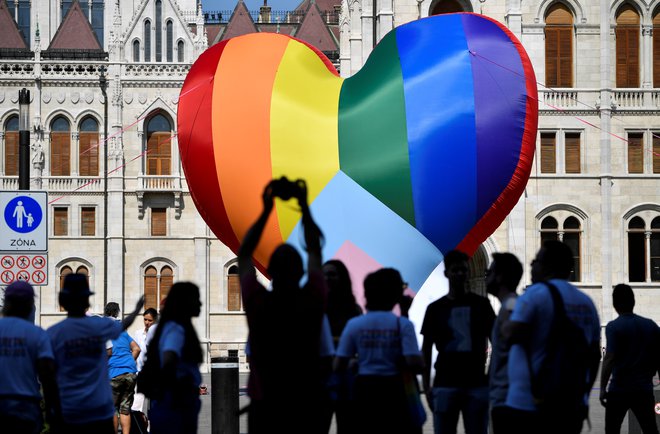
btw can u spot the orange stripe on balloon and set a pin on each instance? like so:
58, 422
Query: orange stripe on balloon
241, 131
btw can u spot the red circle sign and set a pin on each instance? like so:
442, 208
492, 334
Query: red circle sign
23, 262
7, 262
7, 277
38, 262
657, 408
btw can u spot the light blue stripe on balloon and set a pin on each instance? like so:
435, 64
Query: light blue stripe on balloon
345, 211
439, 98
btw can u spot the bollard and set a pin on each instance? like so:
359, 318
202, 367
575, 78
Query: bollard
224, 395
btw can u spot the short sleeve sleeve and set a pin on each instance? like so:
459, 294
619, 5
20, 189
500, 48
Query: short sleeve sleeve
409, 339
347, 346
524, 309
173, 339
611, 340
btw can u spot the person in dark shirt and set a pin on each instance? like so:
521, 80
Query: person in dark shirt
631, 360
459, 326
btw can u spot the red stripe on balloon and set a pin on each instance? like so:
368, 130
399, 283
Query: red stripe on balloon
510, 195
194, 126
241, 131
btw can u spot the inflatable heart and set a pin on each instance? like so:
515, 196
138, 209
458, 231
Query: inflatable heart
424, 150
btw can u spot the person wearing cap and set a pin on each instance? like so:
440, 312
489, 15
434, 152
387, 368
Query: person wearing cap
25, 354
82, 365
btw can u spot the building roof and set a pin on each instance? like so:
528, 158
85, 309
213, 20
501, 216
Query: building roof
10, 35
240, 23
323, 5
75, 32
314, 31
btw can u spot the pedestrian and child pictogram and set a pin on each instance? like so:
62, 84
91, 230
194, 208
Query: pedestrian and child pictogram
23, 221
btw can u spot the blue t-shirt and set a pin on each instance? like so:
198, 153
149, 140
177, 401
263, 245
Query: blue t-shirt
535, 308
21, 345
635, 342
375, 338
82, 366
172, 339
121, 361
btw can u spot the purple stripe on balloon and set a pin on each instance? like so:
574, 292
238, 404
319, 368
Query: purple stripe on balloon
499, 91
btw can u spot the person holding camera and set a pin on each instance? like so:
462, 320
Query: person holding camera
286, 316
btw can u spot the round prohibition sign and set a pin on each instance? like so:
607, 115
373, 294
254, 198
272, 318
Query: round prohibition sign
38, 262
38, 277
7, 277
23, 262
23, 275
7, 262
657, 408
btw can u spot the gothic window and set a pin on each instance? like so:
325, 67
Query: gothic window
60, 147
87, 221
88, 149
22, 17
559, 47
656, 151
147, 41
635, 152
170, 40
159, 31
548, 152
60, 221
136, 51
11, 146
627, 47
157, 283
643, 250
572, 152
64, 271
159, 146
233, 290
656, 50
569, 232
447, 7
180, 52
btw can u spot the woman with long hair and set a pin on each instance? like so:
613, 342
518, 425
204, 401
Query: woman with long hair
176, 346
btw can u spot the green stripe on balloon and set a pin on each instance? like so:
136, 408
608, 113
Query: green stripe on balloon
373, 140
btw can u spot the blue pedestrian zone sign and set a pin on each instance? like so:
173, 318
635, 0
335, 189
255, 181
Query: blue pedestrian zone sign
23, 222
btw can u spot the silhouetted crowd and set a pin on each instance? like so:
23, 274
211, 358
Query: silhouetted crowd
528, 369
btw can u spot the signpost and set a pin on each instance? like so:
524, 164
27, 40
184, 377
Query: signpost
24, 237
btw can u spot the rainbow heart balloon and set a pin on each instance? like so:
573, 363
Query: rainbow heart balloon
426, 149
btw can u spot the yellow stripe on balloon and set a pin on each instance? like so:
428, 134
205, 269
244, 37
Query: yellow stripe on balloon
304, 104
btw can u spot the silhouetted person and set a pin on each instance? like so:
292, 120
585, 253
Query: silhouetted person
79, 346
25, 354
459, 326
631, 360
383, 344
122, 368
341, 308
529, 330
502, 278
287, 315
176, 346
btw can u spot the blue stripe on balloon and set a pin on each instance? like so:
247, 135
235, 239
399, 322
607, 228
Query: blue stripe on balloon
499, 88
346, 211
441, 127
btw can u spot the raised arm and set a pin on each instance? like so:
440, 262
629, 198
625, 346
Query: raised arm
126, 322
251, 239
313, 234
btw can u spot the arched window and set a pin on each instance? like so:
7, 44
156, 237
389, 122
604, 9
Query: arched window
559, 47
60, 147
446, 7
136, 51
147, 41
570, 233
159, 146
170, 40
627, 47
88, 150
11, 146
64, 271
643, 250
571, 237
180, 52
233, 290
656, 50
22, 17
97, 19
159, 31
157, 285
